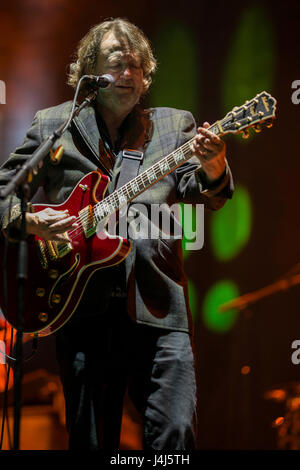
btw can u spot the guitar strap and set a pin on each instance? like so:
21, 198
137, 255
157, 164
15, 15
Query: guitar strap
130, 164
124, 165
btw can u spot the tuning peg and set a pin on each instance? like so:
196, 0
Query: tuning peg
257, 128
245, 134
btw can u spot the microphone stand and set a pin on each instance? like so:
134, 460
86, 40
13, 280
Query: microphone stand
242, 302
21, 276
19, 184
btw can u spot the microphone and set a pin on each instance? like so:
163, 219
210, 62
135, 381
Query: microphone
101, 81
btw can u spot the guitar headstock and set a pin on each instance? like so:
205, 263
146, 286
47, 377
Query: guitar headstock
255, 113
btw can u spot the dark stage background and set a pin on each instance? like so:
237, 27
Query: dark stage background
38, 38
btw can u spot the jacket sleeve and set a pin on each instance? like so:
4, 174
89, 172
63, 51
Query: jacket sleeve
191, 183
10, 207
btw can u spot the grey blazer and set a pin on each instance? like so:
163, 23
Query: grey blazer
156, 284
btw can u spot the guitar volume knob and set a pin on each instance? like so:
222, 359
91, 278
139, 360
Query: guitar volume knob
43, 316
40, 292
53, 274
56, 298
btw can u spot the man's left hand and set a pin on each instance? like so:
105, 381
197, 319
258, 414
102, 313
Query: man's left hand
211, 151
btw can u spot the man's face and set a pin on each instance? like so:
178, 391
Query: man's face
124, 65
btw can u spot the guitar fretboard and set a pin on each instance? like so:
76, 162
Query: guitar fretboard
144, 180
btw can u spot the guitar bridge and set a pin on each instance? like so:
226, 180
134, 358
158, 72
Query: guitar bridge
42, 252
63, 248
52, 249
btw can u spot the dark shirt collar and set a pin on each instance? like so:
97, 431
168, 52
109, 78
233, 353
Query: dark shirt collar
135, 131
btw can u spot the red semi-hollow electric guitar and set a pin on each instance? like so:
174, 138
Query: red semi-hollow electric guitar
58, 272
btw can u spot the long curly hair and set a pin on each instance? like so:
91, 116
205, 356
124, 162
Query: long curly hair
88, 49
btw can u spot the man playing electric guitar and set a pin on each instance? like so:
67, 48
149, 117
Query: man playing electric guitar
132, 324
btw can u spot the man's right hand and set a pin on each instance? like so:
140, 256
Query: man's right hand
50, 224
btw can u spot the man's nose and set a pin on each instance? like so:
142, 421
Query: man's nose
127, 72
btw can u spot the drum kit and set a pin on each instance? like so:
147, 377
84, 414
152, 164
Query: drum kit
286, 394
287, 426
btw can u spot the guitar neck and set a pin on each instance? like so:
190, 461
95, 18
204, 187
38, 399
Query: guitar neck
146, 179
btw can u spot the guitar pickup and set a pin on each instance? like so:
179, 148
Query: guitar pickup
87, 221
63, 248
59, 249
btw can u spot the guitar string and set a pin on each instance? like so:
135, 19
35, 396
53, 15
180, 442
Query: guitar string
112, 200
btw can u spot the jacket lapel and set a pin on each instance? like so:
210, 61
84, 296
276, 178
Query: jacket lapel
86, 125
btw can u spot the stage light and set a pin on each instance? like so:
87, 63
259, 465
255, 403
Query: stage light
219, 293
230, 228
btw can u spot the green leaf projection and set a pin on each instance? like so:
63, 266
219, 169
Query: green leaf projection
250, 64
230, 228
176, 81
221, 292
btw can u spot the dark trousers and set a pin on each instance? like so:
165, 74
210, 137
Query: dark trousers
100, 356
